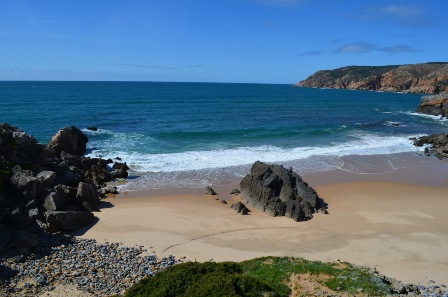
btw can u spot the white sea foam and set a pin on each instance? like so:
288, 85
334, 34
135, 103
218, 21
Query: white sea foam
428, 116
198, 160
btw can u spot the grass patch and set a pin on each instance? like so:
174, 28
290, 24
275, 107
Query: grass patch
267, 276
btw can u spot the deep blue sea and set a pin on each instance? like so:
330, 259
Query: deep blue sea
192, 134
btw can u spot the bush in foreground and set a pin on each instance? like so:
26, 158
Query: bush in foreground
201, 279
267, 276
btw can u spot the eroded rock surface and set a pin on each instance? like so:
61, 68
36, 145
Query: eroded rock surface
280, 192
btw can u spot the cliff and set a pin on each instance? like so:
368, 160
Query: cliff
427, 78
434, 105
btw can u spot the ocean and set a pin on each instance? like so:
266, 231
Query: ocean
196, 134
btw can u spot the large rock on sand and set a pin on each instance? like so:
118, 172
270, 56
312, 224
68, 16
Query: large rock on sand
280, 192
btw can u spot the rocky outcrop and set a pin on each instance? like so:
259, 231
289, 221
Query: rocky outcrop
70, 140
438, 144
426, 78
240, 208
280, 192
59, 188
436, 105
210, 191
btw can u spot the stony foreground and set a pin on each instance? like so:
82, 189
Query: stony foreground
101, 269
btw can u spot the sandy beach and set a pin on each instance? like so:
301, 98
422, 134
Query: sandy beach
395, 222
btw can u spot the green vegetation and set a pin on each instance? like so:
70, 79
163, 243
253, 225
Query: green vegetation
359, 72
201, 279
268, 276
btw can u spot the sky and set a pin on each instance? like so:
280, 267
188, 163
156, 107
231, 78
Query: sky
241, 41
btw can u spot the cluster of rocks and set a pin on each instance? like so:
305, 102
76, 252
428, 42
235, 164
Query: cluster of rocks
101, 269
398, 288
280, 192
51, 185
436, 105
438, 144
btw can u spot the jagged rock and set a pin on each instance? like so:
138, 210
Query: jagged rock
436, 105
68, 220
120, 170
70, 140
92, 128
223, 202
17, 147
46, 178
26, 184
279, 192
239, 207
88, 196
54, 201
71, 160
235, 191
438, 143
210, 191
24, 194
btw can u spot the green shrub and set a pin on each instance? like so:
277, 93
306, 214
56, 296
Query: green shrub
200, 279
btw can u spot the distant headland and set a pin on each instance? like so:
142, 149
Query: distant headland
425, 78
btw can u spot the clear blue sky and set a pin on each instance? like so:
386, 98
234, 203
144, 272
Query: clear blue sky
260, 41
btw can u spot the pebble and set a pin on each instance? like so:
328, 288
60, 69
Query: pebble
101, 269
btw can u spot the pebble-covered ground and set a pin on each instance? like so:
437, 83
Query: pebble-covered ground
101, 269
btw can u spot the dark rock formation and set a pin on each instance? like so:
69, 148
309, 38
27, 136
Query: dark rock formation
210, 191
426, 78
67, 220
436, 105
438, 144
70, 140
223, 202
92, 128
59, 188
280, 192
239, 207
235, 191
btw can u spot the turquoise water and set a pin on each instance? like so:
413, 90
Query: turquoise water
197, 131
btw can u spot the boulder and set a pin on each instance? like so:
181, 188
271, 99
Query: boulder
235, 192
210, 191
119, 170
68, 220
280, 192
46, 178
17, 147
70, 140
239, 207
88, 196
92, 128
54, 201
26, 184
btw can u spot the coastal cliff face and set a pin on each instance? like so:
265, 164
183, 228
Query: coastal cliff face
427, 78
434, 105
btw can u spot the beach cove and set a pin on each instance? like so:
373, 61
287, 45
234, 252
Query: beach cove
394, 222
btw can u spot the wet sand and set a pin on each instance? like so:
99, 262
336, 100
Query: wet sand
395, 222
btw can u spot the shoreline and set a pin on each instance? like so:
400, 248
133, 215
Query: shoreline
393, 222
